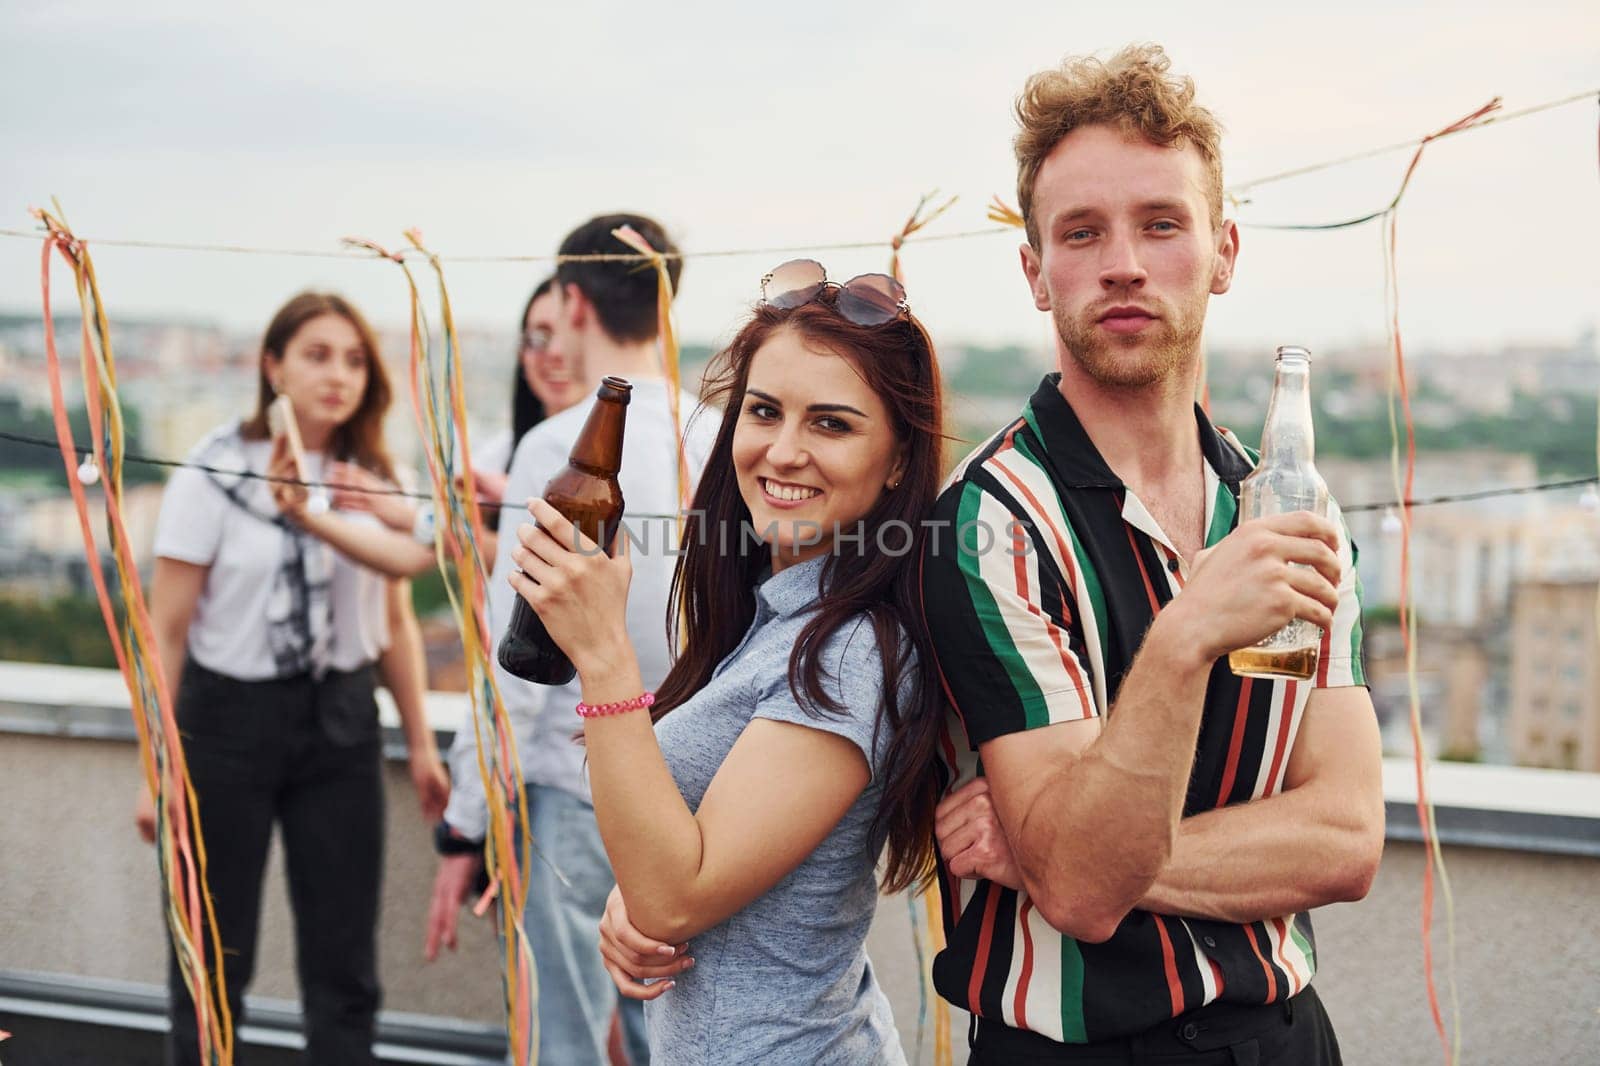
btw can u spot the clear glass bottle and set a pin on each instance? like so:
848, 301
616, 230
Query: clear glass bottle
1285, 480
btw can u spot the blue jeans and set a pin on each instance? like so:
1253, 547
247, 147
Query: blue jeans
576, 996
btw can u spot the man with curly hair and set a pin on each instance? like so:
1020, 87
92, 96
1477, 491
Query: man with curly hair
1139, 834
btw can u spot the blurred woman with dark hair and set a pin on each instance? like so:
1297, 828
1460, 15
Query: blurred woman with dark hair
272, 640
797, 728
542, 384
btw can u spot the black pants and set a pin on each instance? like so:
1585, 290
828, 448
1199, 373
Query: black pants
307, 755
1293, 1033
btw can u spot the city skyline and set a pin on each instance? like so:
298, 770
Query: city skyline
1491, 423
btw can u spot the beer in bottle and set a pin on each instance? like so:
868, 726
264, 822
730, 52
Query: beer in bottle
587, 493
1285, 480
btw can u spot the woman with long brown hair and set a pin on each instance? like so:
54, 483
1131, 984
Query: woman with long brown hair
272, 641
796, 731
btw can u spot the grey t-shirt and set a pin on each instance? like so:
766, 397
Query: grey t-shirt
787, 979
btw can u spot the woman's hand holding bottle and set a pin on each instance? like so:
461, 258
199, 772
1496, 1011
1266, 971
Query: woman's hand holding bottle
579, 592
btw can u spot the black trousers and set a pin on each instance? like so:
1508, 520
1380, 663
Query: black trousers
1296, 1032
307, 755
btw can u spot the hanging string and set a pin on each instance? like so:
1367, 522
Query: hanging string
191, 920
668, 352
1484, 116
1418, 142
438, 401
445, 407
1404, 480
931, 927
591, 257
917, 220
1003, 213
1305, 227
923, 968
1589, 493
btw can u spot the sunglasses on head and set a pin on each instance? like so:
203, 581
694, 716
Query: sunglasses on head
866, 299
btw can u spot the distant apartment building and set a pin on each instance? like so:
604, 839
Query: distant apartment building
1555, 668
50, 526
1555, 678
1454, 667
1464, 556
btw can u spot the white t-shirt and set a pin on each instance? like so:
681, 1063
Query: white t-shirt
199, 524
542, 716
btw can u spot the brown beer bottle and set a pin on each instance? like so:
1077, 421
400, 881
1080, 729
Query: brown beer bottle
587, 493
1285, 480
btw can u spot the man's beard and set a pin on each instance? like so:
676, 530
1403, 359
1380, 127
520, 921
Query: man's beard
1134, 362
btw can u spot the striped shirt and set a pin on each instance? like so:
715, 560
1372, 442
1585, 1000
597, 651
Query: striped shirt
1039, 627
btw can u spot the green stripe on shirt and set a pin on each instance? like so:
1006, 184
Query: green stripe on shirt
1086, 571
1073, 1028
996, 634
1222, 514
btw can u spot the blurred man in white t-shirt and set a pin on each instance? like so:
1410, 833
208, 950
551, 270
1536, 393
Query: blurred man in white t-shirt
606, 323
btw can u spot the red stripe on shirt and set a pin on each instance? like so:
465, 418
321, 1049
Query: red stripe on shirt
1176, 572
1039, 510
1236, 743
985, 938
1020, 1006
1285, 721
1144, 572
948, 747
1216, 973
1068, 659
1266, 968
1019, 557
1170, 961
1283, 942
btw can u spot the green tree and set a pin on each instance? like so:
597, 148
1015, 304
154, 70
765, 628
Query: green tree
18, 457
68, 631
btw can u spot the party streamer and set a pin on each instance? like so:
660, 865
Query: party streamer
438, 399
1404, 478
180, 847
930, 927
668, 352
917, 220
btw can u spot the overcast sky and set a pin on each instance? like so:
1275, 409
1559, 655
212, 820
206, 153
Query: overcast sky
495, 128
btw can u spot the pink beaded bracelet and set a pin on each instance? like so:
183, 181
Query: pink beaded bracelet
601, 710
